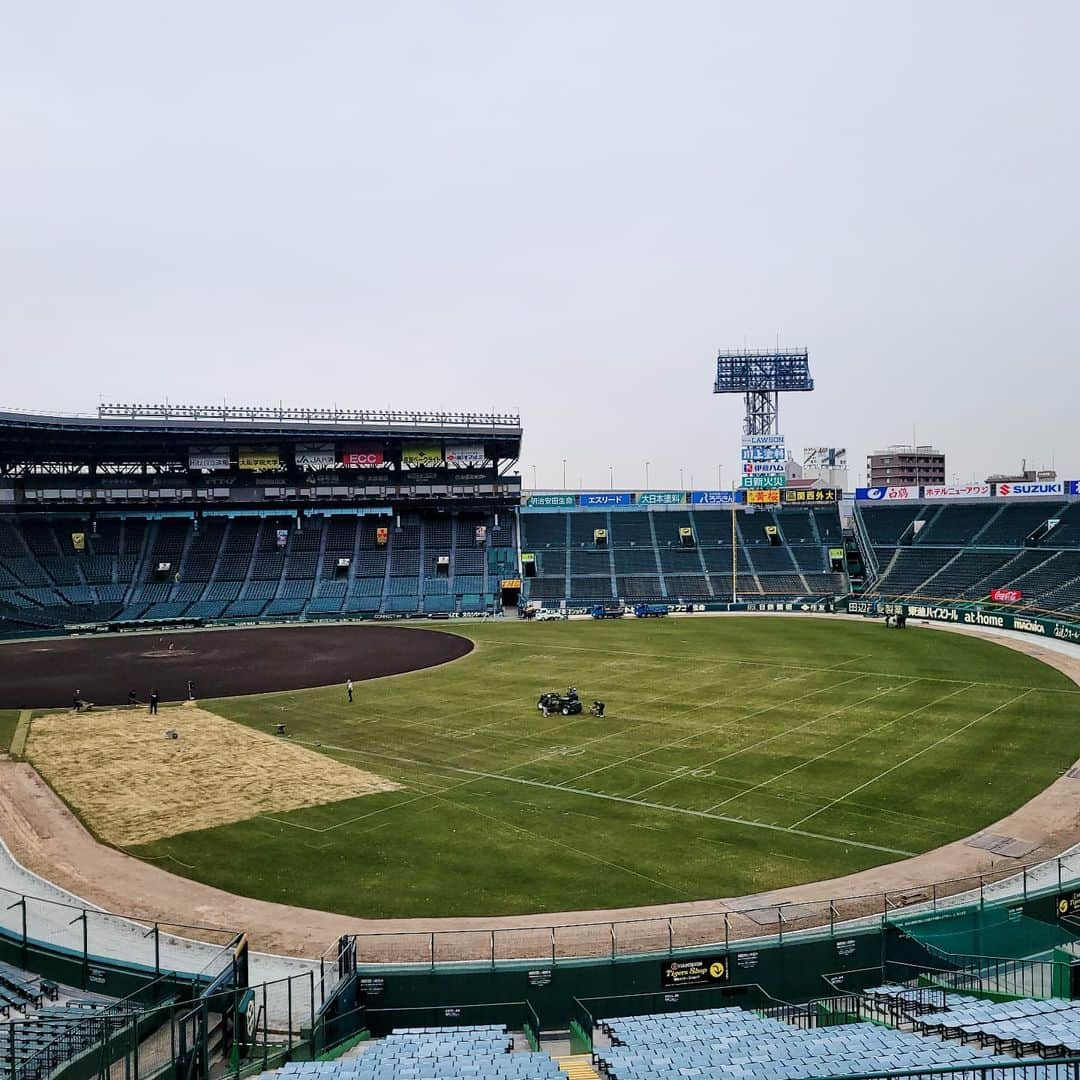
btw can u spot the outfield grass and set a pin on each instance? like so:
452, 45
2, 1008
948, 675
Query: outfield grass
736, 755
9, 719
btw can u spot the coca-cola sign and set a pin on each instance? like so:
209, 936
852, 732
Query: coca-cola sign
1006, 596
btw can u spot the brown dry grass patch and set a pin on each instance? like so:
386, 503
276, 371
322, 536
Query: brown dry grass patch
131, 785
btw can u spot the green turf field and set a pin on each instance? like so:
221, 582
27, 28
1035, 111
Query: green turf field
737, 754
9, 719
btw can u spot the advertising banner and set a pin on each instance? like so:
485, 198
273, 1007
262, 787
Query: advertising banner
961, 491
660, 498
213, 460
1006, 596
468, 456
1033, 490
259, 459
606, 498
836, 553
480, 534
78, 541
770, 480
886, 494
422, 457
1000, 620
358, 455
317, 457
1072, 487
703, 971
715, 498
763, 498
382, 536
824, 457
554, 502
282, 537
802, 496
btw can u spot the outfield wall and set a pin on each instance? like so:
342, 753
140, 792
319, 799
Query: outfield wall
970, 615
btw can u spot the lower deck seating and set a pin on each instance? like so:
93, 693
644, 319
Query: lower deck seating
733, 1043
249, 567
464, 1053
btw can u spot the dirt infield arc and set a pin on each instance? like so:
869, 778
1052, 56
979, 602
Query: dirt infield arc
46, 672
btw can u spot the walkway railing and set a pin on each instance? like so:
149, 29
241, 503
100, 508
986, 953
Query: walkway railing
725, 925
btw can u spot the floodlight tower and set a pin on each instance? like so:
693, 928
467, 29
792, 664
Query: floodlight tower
760, 376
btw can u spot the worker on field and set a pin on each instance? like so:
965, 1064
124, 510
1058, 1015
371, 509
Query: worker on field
348, 689
76, 701
153, 702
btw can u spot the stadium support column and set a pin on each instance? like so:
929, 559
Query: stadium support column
734, 557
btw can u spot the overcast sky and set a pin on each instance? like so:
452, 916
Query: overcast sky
562, 208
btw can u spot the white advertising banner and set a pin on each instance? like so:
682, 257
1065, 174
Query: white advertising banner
467, 456
212, 460
1045, 489
886, 494
312, 458
957, 491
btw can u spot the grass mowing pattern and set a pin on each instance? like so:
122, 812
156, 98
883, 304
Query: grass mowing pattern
736, 755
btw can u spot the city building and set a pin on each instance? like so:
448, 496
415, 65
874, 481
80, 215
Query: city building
1024, 476
898, 466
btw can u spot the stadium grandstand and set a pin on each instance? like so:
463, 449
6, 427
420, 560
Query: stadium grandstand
152, 514
1014, 546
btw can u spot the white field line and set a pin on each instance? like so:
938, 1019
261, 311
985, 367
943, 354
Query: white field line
841, 746
692, 813
912, 757
476, 774
721, 724
781, 734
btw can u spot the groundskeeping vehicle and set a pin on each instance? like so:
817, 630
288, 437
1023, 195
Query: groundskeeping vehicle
650, 611
554, 702
608, 611
548, 614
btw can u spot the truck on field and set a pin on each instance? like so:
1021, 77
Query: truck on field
650, 611
608, 611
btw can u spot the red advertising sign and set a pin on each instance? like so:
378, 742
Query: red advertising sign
358, 455
1006, 596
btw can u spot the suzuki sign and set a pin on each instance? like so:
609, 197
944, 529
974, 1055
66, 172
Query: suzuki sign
1028, 491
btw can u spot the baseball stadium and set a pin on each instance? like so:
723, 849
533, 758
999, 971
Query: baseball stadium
331, 752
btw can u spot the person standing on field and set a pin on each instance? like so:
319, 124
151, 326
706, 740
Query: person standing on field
153, 702
348, 689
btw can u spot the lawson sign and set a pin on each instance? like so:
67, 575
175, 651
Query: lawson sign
716, 498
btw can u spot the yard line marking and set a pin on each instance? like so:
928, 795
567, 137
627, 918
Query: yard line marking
693, 813
863, 656
779, 735
476, 774
721, 724
841, 746
562, 844
919, 753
